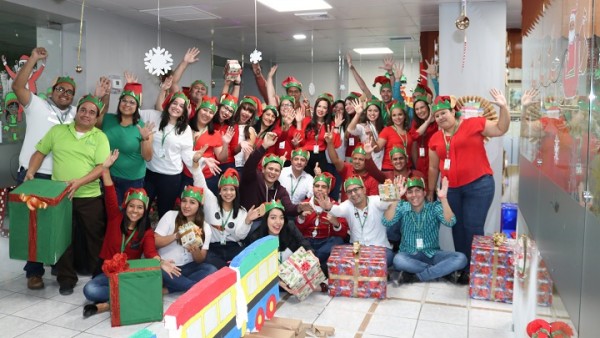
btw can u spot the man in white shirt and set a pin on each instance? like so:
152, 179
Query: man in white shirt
295, 180
364, 215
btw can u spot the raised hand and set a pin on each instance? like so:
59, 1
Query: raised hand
388, 64
305, 206
269, 140
317, 170
443, 191
358, 106
324, 202
299, 115
528, 96
199, 154
213, 165
252, 215
398, 70
246, 147
167, 83
228, 136
102, 87
130, 77
146, 131
328, 135
431, 68
272, 71
256, 69
498, 97
349, 59
401, 184
368, 146
3, 59
288, 118
297, 139
110, 160
39, 53
338, 120
191, 55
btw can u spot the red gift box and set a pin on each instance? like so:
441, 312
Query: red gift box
544, 286
362, 275
492, 270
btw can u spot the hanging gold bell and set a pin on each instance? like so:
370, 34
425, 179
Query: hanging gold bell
79, 69
462, 22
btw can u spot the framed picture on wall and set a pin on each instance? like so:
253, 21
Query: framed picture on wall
514, 91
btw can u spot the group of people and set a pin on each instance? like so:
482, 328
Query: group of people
240, 169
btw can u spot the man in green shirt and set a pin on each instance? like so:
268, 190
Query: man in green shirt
78, 151
419, 252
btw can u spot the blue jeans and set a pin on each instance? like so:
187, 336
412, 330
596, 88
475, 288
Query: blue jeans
470, 204
322, 247
220, 255
191, 273
441, 264
32, 268
97, 290
122, 185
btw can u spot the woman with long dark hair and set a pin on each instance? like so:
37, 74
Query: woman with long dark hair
368, 125
315, 128
128, 231
244, 120
395, 135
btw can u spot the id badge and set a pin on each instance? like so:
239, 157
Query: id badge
351, 141
282, 145
421, 152
578, 169
419, 243
447, 164
316, 149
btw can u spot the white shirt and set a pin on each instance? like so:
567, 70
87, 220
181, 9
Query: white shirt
174, 251
361, 132
365, 224
240, 158
302, 185
169, 149
41, 115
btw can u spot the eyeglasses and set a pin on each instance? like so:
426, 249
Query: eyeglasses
352, 191
286, 105
64, 90
128, 102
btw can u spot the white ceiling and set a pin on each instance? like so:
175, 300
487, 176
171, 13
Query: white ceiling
356, 23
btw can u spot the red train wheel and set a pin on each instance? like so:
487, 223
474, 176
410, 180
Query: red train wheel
271, 306
260, 319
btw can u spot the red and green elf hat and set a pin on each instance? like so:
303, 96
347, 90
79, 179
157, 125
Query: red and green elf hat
375, 101
300, 152
353, 96
66, 79
229, 177
384, 81
538, 328
395, 150
291, 81
196, 193
136, 194
441, 102
91, 98
209, 102
400, 105
275, 204
325, 177
359, 150
423, 98
134, 90
180, 95
200, 82
327, 96
270, 157
353, 180
253, 100
287, 97
10, 97
415, 182
271, 108
229, 101
422, 89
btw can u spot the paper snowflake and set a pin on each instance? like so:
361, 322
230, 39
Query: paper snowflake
255, 56
158, 61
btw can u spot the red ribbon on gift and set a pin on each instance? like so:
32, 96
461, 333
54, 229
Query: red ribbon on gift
303, 270
112, 268
34, 203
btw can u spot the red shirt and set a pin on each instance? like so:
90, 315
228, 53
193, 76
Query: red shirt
468, 159
284, 141
213, 141
317, 136
113, 237
324, 228
371, 185
234, 141
422, 142
394, 139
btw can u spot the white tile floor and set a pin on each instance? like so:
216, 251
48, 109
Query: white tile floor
417, 310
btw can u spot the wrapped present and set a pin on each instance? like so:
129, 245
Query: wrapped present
190, 235
301, 273
135, 290
232, 70
492, 269
544, 285
389, 191
357, 271
40, 221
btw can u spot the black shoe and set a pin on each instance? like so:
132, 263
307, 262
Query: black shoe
463, 279
89, 310
53, 271
406, 278
451, 277
324, 287
65, 290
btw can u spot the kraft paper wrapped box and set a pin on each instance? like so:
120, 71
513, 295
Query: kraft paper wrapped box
362, 275
492, 270
301, 273
40, 221
135, 290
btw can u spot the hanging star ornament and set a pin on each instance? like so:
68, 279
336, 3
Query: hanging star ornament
256, 56
158, 61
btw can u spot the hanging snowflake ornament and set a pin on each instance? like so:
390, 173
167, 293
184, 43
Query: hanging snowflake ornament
255, 56
158, 61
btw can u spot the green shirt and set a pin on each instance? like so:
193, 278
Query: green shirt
75, 156
130, 165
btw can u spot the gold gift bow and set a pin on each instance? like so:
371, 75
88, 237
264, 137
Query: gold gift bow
498, 240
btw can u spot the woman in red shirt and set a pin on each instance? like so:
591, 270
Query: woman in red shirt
223, 122
314, 129
457, 152
421, 130
395, 135
127, 231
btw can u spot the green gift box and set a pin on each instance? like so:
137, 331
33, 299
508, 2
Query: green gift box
136, 293
40, 221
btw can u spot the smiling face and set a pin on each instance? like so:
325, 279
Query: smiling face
358, 162
350, 107
398, 117
176, 108
271, 172
62, 95
299, 163
321, 109
399, 161
205, 115
445, 119
416, 197
197, 92
422, 110
135, 210
227, 193
127, 105
268, 118
372, 113
386, 94
320, 189
225, 113
189, 207
338, 108
295, 92
275, 221
86, 117
286, 107
356, 194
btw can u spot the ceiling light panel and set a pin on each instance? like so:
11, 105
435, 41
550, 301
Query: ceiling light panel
295, 6
182, 13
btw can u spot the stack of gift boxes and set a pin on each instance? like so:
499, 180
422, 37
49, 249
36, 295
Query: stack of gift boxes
492, 272
301, 273
358, 272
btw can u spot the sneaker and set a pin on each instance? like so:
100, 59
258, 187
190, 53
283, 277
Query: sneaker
35, 283
65, 290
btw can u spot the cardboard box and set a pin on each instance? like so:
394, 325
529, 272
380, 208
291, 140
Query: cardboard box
270, 332
363, 275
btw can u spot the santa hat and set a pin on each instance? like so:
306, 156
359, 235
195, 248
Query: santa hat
24, 58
